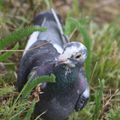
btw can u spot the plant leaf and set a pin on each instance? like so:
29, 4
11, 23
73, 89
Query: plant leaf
33, 83
7, 54
30, 111
88, 42
19, 34
69, 26
98, 99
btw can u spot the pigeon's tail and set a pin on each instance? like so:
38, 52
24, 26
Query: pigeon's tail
52, 21
42, 17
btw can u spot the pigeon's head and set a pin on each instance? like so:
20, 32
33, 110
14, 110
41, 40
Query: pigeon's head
74, 53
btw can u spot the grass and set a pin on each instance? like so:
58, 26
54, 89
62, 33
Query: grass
102, 65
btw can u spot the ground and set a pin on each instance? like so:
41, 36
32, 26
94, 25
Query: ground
99, 29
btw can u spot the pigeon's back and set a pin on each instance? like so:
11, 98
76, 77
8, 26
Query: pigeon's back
42, 47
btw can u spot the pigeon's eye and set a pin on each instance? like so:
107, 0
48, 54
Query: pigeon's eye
78, 56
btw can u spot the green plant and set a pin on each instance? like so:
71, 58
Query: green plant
15, 37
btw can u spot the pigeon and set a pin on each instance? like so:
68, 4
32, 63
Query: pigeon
49, 53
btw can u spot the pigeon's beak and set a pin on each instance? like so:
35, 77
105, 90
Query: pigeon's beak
63, 60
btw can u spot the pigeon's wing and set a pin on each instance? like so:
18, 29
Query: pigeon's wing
83, 91
41, 55
46, 69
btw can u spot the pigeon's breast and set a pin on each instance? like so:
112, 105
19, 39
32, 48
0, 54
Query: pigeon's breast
58, 105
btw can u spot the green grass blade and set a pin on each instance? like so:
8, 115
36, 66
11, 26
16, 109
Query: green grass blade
69, 26
6, 55
30, 111
18, 35
48, 3
87, 41
1, 4
33, 83
98, 100
76, 7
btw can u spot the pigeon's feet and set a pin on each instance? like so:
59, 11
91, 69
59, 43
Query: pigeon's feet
36, 93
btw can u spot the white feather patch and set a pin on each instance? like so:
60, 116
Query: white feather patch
86, 93
58, 48
31, 41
